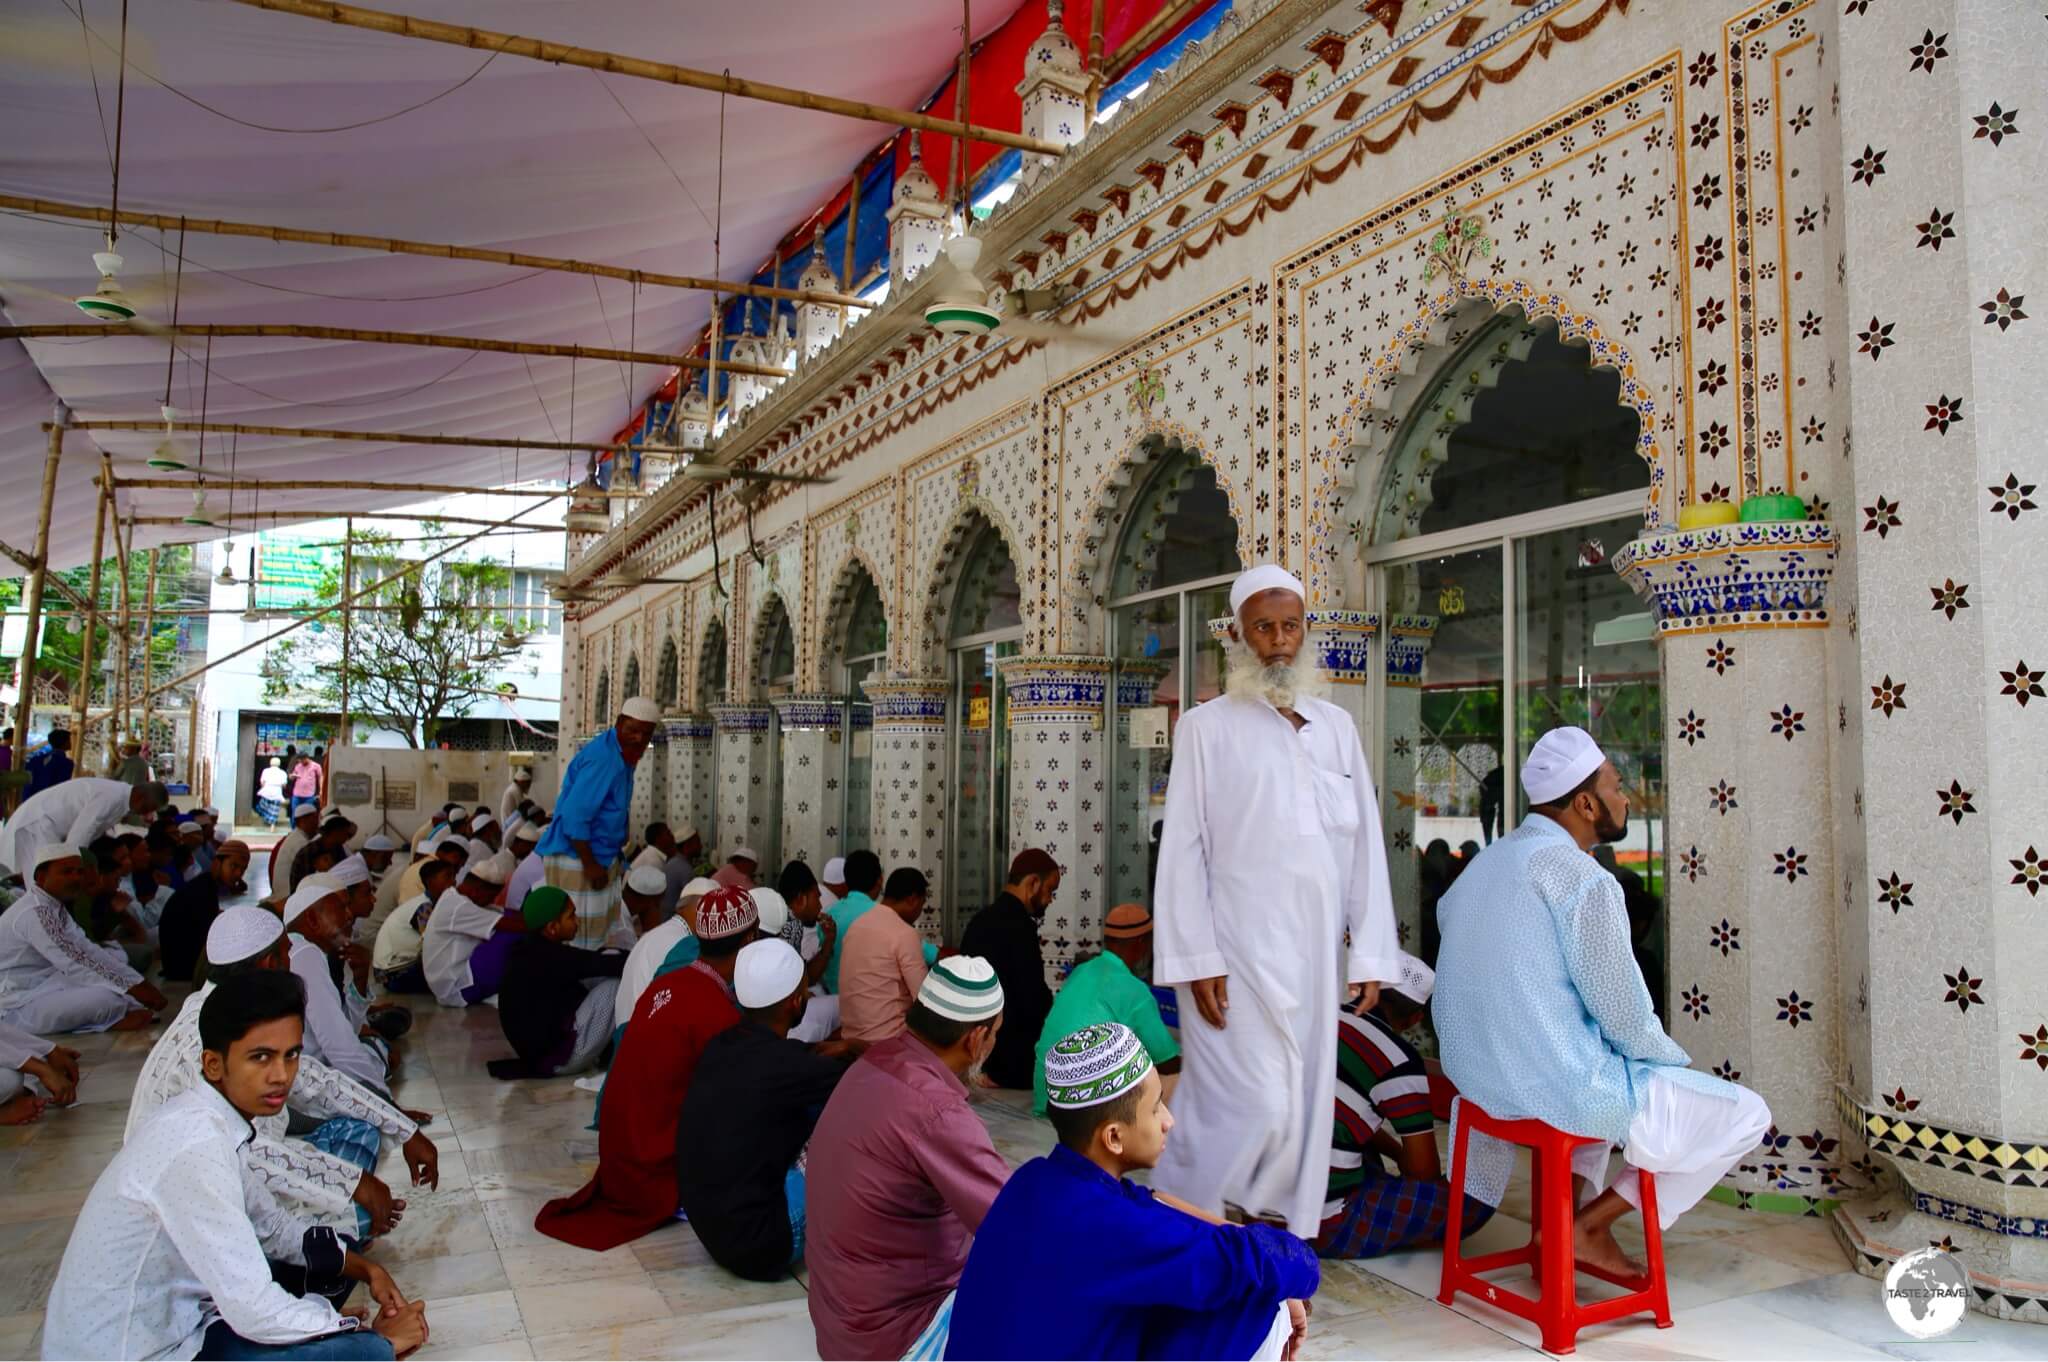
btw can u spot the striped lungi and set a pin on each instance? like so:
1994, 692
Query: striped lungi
595, 908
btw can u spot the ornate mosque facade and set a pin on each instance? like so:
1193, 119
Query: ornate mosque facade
1649, 365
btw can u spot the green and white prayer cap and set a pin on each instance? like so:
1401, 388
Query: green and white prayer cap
964, 988
1094, 1065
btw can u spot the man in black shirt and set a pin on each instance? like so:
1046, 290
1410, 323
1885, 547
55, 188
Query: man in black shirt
181, 932
1006, 935
555, 1004
753, 1101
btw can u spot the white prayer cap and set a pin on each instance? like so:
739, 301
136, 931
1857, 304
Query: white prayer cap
55, 851
835, 871
641, 708
352, 870
429, 846
241, 933
379, 842
744, 854
686, 833
522, 773
963, 988
1417, 980
766, 972
1557, 763
773, 908
311, 890
487, 869
699, 887
210, 810
526, 831
479, 851
1265, 577
482, 821
652, 857
646, 879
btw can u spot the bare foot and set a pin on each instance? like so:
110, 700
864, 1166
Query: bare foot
21, 1109
1597, 1248
137, 1020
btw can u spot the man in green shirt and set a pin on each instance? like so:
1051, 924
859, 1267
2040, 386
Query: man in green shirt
1109, 988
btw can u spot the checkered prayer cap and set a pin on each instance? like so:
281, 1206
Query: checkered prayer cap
1094, 1065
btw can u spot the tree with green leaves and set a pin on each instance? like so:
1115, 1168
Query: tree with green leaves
62, 636
423, 655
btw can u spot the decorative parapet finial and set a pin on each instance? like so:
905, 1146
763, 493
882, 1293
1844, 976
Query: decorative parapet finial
1749, 575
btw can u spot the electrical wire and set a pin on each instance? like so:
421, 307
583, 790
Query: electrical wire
652, 146
85, 35
359, 297
268, 127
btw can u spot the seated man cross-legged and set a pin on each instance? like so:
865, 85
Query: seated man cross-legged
179, 1253
1076, 1261
1542, 1013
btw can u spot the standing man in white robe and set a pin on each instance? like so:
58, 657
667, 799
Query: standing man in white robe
78, 811
1272, 897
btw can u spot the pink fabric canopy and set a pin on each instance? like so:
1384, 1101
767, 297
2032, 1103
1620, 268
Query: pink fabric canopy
524, 156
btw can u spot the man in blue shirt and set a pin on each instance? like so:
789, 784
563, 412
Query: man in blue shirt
1075, 1260
49, 764
580, 850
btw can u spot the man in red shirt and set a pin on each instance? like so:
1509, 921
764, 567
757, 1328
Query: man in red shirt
901, 1172
634, 1189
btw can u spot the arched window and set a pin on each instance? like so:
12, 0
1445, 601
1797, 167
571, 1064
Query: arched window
711, 667
863, 652
775, 654
602, 711
1176, 554
986, 624
1506, 491
668, 676
632, 687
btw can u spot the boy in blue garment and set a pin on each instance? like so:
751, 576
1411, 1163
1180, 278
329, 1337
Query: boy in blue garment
1073, 1260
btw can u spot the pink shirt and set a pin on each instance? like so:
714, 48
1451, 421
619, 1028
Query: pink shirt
306, 780
881, 968
901, 1172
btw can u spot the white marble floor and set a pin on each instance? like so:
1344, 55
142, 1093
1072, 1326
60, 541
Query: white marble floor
1743, 1284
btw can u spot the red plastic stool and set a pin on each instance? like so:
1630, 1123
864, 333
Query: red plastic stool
1556, 1309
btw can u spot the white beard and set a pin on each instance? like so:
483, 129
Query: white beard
1280, 684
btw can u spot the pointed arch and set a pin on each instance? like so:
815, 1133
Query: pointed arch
710, 674
1086, 592
668, 682
925, 654
1403, 371
839, 606
772, 626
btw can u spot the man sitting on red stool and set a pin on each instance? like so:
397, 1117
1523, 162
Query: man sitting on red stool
1388, 1107
1542, 1013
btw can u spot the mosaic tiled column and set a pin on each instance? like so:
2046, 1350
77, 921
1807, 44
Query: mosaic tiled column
1406, 648
811, 765
908, 774
746, 780
1948, 1081
690, 764
1751, 981
1056, 788
1343, 643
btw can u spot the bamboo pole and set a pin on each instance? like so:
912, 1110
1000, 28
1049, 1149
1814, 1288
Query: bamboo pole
148, 643
561, 54
192, 742
81, 697
337, 515
27, 562
371, 437
31, 634
49, 610
295, 331
348, 582
122, 548
1127, 51
349, 485
306, 619
960, 107
164, 222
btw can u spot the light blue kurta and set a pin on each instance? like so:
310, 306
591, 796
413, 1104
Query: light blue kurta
1540, 1009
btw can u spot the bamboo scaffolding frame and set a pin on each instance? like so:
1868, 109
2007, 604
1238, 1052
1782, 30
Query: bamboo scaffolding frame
123, 545
304, 620
1127, 51
561, 54
376, 437
164, 222
149, 640
340, 515
348, 582
281, 610
27, 563
294, 331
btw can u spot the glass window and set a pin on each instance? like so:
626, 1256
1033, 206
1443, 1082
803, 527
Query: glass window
667, 676
603, 712
632, 687
981, 765
711, 668
863, 653
1179, 530
775, 673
